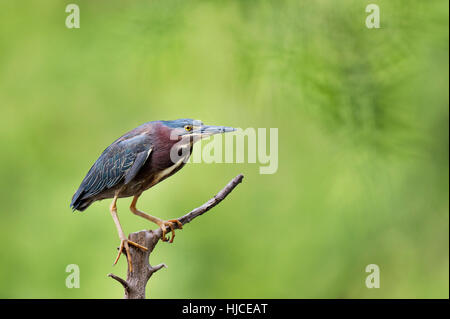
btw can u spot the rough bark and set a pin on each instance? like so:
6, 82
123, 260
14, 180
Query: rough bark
137, 280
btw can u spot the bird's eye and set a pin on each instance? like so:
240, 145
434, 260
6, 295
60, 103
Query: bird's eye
188, 128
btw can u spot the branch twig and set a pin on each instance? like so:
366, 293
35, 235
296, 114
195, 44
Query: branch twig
120, 280
137, 280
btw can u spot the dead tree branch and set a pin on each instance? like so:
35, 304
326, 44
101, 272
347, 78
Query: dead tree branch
137, 280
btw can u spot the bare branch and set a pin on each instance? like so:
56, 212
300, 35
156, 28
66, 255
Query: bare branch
120, 280
142, 271
157, 267
208, 205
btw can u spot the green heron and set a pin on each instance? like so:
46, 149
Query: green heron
137, 161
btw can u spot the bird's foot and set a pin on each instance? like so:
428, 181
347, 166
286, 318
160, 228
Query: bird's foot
163, 224
124, 244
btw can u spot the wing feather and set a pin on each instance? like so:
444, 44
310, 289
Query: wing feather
121, 160
137, 164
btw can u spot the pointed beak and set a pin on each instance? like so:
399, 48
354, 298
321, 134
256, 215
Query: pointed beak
208, 130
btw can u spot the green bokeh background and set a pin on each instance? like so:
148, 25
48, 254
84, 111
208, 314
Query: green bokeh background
363, 127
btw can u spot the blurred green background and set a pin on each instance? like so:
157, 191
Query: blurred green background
363, 123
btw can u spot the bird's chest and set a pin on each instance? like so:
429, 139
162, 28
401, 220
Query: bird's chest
169, 170
162, 165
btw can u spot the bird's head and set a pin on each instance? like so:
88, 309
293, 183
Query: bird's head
194, 130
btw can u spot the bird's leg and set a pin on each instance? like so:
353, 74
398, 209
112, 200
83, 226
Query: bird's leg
163, 224
123, 239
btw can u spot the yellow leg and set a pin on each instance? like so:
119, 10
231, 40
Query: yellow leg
163, 224
123, 239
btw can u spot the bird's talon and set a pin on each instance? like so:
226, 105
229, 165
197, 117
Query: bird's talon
137, 245
124, 244
125, 248
119, 252
169, 223
163, 228
176, 221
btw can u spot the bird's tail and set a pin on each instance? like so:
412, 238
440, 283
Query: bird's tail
78, 202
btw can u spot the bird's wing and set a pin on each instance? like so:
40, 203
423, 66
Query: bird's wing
121, 160
138, 162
